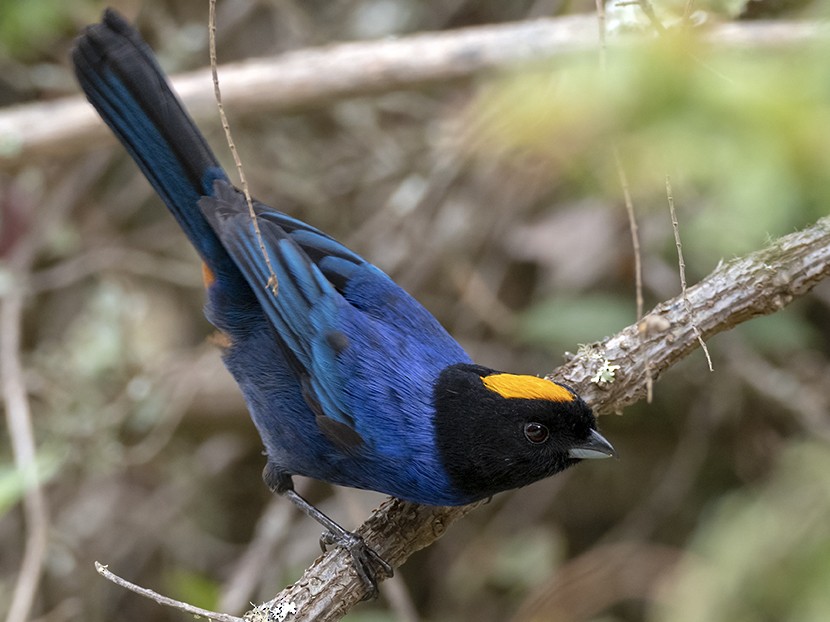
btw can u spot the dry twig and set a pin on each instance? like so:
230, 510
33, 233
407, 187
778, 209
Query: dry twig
164, 600
626, 190
682, 266
272, 278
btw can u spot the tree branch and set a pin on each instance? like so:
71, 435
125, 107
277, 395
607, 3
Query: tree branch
314, 77
166, 601
758, 284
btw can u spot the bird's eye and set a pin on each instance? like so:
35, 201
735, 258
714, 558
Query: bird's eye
536, 433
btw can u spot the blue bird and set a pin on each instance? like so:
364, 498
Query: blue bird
347, 378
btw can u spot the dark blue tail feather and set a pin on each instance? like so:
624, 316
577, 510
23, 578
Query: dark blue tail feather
121, 78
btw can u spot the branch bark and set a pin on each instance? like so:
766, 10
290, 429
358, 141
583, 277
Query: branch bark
758, 284
314, 77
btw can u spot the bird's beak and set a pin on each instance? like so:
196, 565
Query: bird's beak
594, 447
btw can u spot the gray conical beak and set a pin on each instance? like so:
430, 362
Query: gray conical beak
595, 447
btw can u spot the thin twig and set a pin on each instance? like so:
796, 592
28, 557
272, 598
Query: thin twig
623, 177
626, 190
272, 278
682, 265
634, 229
638, 260
164, 600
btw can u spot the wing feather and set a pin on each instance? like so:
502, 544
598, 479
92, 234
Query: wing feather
346, 324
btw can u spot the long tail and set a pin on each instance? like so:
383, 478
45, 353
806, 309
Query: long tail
122, 79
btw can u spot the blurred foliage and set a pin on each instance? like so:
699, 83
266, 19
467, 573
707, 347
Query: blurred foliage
677, 106
762, 553
497, 203
25, 26
13, 484
781, 334
578, 319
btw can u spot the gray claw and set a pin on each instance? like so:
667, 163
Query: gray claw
367, 563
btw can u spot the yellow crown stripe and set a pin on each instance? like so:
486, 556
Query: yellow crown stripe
527, 387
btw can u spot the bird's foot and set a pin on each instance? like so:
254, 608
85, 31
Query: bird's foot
367, 563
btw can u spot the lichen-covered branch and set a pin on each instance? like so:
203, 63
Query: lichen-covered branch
758, 284
396, 530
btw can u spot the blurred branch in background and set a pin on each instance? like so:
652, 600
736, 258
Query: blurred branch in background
21, 431
309, 78
22, 243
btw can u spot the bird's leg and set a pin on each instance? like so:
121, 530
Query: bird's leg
366, 561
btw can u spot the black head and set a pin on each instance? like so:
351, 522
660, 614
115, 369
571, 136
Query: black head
498, 431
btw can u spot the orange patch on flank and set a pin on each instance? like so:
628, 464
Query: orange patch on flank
220, 339
527, 387
207, 275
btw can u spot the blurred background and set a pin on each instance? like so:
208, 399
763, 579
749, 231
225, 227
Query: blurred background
496, 202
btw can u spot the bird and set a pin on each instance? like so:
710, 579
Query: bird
347, 378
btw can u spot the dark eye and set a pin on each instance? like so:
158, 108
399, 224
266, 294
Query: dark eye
536, 433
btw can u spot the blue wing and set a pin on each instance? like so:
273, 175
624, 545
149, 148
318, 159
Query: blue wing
358, 342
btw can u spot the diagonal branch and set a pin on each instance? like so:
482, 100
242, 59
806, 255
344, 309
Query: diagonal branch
314, 77
758, 284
